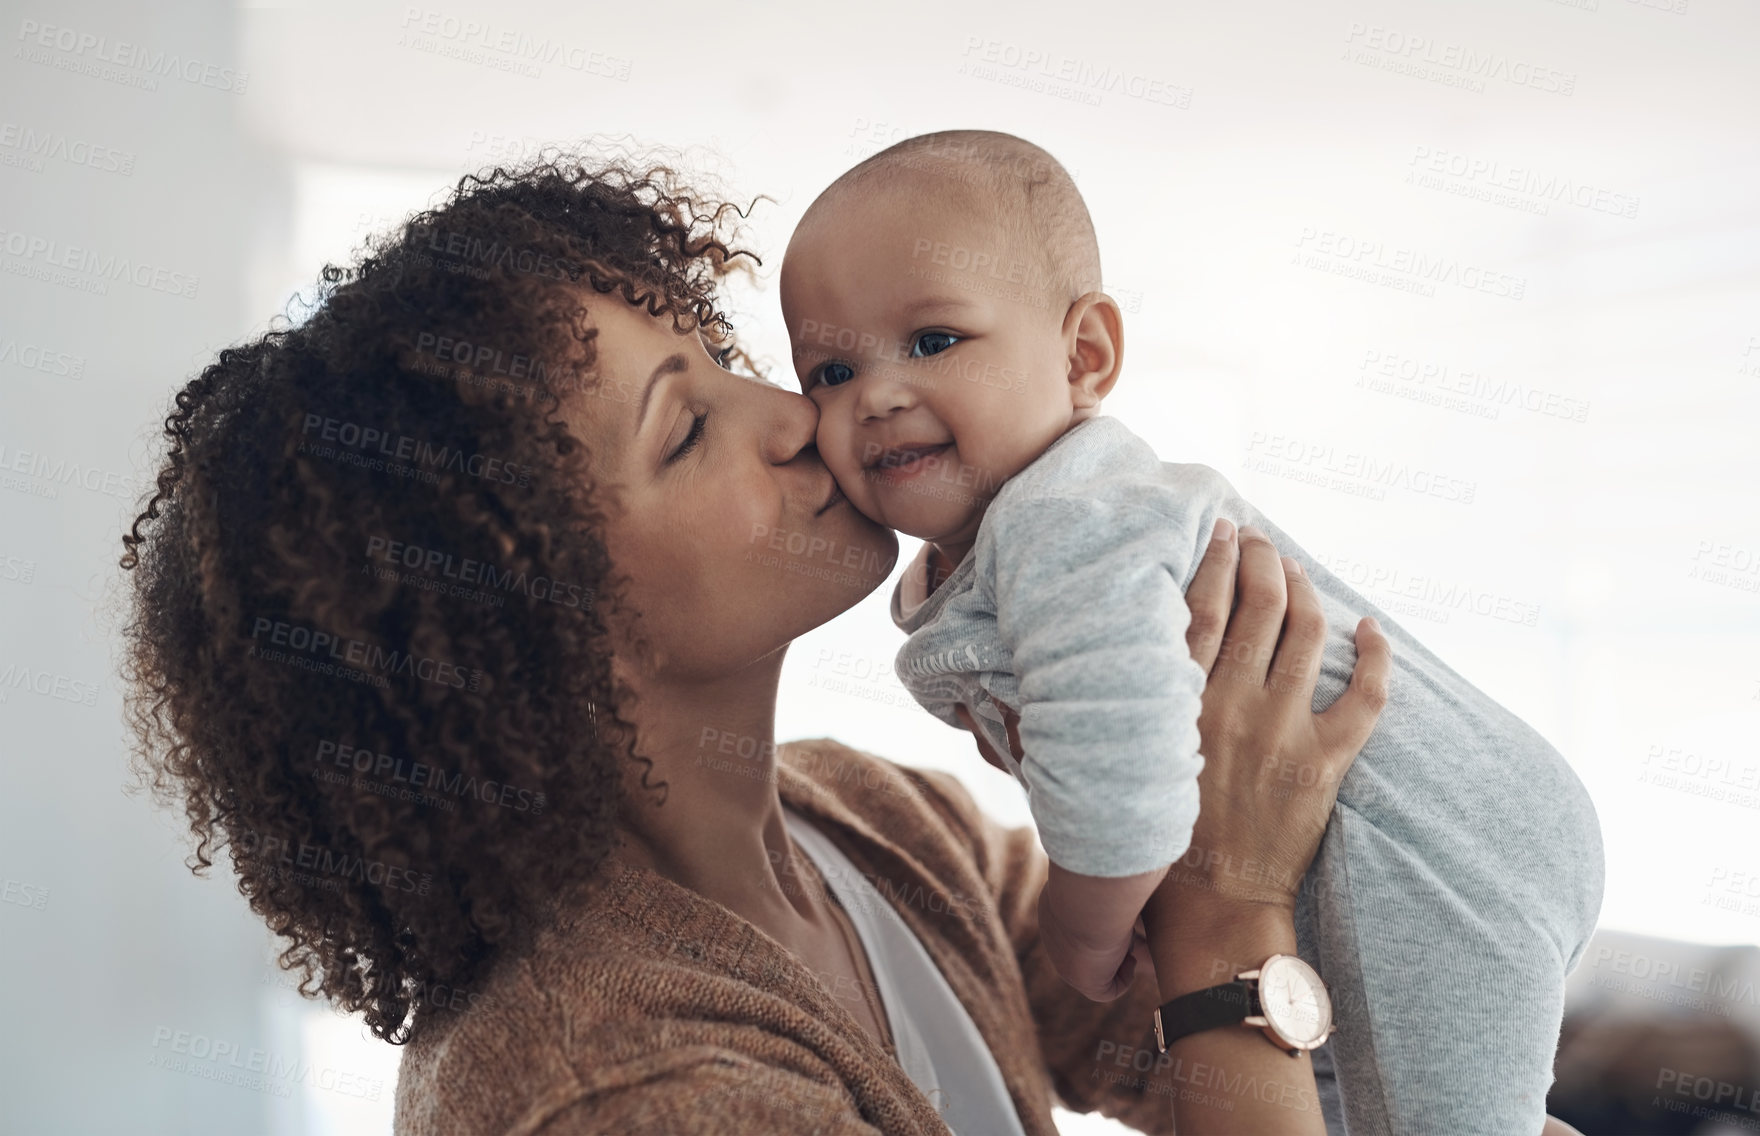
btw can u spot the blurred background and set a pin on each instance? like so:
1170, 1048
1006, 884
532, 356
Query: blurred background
1513, 245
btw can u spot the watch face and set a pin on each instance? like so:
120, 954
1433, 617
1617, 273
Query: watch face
1294, 1001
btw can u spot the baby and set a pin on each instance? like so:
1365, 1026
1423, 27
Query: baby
944, 302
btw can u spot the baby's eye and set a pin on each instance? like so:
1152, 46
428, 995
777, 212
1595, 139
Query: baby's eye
836, 374
721, 354
932, 343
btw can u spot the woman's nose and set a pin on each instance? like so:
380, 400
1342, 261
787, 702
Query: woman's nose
790, 423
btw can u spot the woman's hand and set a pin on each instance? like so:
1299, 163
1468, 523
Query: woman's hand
1272, 766
1271, 773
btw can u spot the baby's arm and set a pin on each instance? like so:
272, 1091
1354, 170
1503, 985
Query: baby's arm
1092, 611
1088, 927
1087, 923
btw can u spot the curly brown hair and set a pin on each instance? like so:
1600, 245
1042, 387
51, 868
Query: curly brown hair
366, 645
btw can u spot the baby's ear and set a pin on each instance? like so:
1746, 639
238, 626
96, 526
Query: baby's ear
1093, 331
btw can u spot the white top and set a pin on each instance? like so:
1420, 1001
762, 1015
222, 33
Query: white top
938, 1046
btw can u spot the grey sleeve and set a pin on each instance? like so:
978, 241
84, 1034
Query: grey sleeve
1089, 603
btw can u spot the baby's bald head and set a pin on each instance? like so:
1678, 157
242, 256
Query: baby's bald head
1016, 185
944, 306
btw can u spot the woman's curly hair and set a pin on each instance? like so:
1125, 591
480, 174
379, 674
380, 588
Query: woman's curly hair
366, 644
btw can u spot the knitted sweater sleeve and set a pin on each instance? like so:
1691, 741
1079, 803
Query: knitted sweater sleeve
1100, 1055
726, 1096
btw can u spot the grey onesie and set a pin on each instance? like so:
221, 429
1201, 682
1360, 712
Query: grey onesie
1461, 874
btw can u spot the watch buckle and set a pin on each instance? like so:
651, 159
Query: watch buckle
1160, 1038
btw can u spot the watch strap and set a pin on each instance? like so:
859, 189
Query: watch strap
1228, 1004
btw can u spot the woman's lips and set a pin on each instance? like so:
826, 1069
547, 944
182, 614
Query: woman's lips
904, 463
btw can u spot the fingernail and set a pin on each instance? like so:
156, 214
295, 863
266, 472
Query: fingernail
1224, 530
1375, 623
1290, 566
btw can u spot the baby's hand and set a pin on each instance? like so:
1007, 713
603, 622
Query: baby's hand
1100, 964
1010, 720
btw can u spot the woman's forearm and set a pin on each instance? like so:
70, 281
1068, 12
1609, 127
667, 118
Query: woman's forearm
1232, 1079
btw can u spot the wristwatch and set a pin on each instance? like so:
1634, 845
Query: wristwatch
1284, 997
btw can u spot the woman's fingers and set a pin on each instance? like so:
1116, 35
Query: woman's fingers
1253, 631
1296, 668
1211, 595
1346, 724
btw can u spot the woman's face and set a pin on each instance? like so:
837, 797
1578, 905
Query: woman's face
729, 528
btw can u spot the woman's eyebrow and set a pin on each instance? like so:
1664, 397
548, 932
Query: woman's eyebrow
670, 365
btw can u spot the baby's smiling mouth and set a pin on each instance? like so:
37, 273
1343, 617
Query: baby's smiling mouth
904, 459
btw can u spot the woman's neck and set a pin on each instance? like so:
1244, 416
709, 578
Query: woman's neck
720, 830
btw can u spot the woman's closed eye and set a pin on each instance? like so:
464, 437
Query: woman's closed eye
690, 440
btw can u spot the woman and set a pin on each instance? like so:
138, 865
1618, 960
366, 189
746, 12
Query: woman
459, 616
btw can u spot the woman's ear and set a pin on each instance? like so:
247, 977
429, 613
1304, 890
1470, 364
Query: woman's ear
1093, 329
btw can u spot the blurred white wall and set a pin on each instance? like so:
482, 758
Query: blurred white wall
1513, 245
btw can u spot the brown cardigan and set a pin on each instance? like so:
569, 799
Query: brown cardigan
642, 1007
